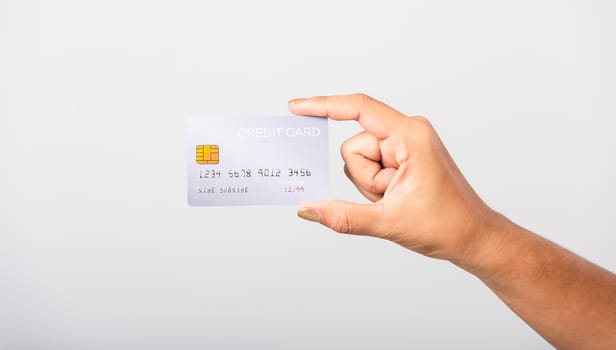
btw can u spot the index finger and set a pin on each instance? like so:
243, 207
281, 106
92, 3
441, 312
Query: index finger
374, 116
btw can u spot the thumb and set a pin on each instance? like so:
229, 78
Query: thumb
344, 217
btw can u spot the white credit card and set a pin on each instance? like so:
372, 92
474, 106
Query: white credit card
257, 160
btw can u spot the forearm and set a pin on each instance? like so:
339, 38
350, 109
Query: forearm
568, 300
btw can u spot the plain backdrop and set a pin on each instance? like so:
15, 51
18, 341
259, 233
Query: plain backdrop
99, 250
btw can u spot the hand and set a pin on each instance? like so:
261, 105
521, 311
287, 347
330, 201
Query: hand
421, 200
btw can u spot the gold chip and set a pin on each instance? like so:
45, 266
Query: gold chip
207, 154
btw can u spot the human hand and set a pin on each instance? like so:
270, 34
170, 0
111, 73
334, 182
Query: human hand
420, 198
422, 201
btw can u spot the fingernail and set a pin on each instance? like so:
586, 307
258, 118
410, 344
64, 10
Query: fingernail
296, 100
309, 214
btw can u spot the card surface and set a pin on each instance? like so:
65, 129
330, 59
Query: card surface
257, 160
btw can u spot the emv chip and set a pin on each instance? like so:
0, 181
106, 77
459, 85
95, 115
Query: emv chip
207, 154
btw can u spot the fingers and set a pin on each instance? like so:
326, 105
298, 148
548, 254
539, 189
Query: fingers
345, 217
363, 160
369, 195
374, 116
362, 157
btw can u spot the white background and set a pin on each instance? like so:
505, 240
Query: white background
99, 250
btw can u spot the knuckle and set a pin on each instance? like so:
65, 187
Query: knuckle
363, 98
347, 172
421, 124
373, 187
420, 121
343, 223
345, 148
353, 145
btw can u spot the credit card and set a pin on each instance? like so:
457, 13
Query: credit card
257, 160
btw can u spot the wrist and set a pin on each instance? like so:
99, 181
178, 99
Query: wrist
487, 247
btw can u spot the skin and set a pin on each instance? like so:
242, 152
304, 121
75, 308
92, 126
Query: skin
421, 200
